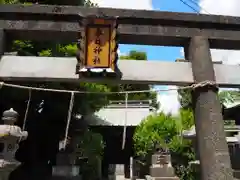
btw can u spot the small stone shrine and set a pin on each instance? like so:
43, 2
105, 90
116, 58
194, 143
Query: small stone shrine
10, 135
161, 168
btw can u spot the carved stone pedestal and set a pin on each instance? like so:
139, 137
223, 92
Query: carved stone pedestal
65, 169
161, 168
66, 172
5, 171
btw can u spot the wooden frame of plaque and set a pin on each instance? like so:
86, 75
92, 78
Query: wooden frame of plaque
97, 47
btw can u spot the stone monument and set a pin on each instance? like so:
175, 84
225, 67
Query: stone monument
161, 168
67, 164
69, 158
10, 135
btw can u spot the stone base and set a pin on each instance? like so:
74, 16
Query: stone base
67, 171
6, 168
163, 171
236, 173
5, 172
66, 178
4, 175
116, 177
165, 178
161, 178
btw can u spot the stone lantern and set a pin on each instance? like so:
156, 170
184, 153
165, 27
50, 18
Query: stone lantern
10, 116
10, 135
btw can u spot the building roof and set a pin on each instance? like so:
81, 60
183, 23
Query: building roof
116, 114
231, 111
191, 133
231, 104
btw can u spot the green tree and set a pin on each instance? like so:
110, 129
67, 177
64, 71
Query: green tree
229, 96
91, 146
166, 130
185, 97
135, 55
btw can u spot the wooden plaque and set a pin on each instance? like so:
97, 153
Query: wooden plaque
100, 45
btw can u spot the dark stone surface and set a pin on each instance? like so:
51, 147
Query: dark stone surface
128, 34
61, 23
2, 41
213, 149
73, 13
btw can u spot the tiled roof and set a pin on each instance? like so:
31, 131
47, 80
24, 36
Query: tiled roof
115, 115
192, 133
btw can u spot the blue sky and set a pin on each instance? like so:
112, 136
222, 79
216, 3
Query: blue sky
156, 52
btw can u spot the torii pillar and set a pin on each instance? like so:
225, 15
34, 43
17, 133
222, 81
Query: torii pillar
213, 149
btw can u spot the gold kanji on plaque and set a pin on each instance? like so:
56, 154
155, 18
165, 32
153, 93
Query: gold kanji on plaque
98, 46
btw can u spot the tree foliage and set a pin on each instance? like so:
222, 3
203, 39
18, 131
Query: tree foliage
91, 146
166, 130
134, 55
185, 98
161, 128
225, 96
229, 96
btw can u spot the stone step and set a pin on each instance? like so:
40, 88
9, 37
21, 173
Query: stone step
161, 178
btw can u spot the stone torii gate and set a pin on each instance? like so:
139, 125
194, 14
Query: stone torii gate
196, 33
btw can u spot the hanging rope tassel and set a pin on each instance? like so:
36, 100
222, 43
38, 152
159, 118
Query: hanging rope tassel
125, 122
68, 119
26, 112
27, 109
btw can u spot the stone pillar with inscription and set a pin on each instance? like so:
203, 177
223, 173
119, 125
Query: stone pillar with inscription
210, 135
10, 134
161, 168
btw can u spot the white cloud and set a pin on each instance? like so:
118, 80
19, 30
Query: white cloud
230, 7
125, 4
223, 7
169, 101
